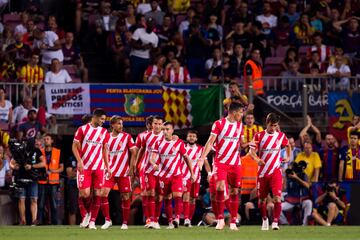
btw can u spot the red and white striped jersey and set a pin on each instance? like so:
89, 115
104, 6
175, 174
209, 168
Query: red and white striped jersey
149, 142
228, 139
194, 152
140, 138
92, 141
171, 155
269, 147
119, 160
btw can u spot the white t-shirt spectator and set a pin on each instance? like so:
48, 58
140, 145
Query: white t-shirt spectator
146, 38
272, 20
4, 111
184, 25
3, 172
61, 77
49, 39
143, 8
210, 63
344, 81
20, 115
20, 29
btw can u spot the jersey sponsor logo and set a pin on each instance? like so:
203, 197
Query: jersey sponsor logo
115, 152
134, 104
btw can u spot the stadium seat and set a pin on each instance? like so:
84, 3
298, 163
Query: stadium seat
198, 80
10, 17
273, 61
280, 51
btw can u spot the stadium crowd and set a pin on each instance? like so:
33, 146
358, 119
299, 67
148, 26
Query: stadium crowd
192, 41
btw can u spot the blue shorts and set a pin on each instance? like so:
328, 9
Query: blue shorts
29, 190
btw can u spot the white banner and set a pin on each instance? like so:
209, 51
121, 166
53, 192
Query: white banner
68, 98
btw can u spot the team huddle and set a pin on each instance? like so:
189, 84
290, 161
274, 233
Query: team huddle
170, 169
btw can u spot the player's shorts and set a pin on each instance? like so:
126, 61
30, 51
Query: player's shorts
269, 183
170, 185
191, 187
212, 186
231, 173
90, 178
124, 183
148, 182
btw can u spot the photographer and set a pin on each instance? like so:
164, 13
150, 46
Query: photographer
28, 164
297, 184
48, 187
331, 205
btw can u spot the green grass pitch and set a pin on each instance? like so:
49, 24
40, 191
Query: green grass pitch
198, 233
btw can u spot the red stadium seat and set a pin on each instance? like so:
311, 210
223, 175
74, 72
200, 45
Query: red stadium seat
280, 51
10, 17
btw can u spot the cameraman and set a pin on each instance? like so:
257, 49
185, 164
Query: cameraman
297, 185
32, 166
331, 205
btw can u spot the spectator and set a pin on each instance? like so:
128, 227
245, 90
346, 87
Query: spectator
349, 168
331, 204
56, 74
53, 26
316, 23
267, 17
329, 156
245, 15
166, 31
140, 23
29, 189
291, 56
143, 41
155, 70
298, 193
305, 137
214, 67
184, 25
303, 30
340, 72
19, 52
49, 44
215, 29
196, 45
5, 172
145, 7
130, 15
237, 61
239, 35
21, 28
7, 38
350, 36
314, 60
175, 73
215, 7
313, 161
28, 37
20, 112
289, 78
253, 73
355, 126
229, 47
294, 152
154, 13
31, 128
250, 129
32, 73
6, 112
105, 20
49, 186
72, 190
259, 40
292, 13
332, 35
283, 33
323, 50
72, 57
234, 94
339, 52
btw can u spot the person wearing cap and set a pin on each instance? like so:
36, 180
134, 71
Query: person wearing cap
155, 13
30, 129
143, 41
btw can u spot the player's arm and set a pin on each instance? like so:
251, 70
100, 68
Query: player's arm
288, 153
133, 152
189, 164
153, 162
105, 151
208, 147
138, 155
75, 149
255, 157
